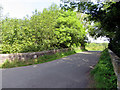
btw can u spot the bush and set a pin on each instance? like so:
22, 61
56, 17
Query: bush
50, 29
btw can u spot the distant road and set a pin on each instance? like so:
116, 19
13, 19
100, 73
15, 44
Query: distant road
69, 72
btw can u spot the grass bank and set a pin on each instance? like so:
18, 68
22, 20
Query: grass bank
103, 72
96, 46
42, 59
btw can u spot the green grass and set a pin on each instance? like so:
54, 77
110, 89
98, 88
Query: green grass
96, 46
42, 59
103, 72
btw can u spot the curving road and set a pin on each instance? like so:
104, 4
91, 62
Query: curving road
68, 72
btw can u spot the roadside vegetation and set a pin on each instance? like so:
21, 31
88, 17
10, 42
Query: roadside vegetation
47, 58
96, 46
103, 72
41, 59
103, 18
50, 29
47, 30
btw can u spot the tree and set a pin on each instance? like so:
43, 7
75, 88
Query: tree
79, 5
30, 35
50, 29
43, 25
105, 17
69, 30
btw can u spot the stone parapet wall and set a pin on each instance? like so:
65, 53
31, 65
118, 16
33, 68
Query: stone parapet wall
116, 64
28, 56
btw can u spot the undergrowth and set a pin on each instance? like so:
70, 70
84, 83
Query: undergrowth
103, 72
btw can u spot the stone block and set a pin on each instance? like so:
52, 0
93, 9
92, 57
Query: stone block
27, 56
116, 65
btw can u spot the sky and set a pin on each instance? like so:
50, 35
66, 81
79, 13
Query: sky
21, 8
98, 40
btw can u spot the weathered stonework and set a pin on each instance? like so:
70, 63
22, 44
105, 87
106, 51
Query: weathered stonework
28, 56
116, 64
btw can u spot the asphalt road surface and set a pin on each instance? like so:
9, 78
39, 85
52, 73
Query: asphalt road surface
68, 72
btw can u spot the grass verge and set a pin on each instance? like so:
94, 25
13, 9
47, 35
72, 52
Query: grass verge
42, 59
103, 72
96, 46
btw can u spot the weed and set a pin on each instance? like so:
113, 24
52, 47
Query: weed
103, 72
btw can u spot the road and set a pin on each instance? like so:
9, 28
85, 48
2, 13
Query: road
68, 72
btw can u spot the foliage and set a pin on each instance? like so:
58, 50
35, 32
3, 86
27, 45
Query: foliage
69, 30
115, 45
29, 35
105, 18
80, 6
103, 72
50, 29
96, 46
42, 59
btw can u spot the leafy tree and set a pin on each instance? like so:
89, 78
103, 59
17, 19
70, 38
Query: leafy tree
108, 19
105, 16
69, 30
43, 25
79, 5
50, 29
30, 35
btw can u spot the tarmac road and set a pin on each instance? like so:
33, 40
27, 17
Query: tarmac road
68, 72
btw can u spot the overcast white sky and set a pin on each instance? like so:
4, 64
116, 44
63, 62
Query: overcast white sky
21, 8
